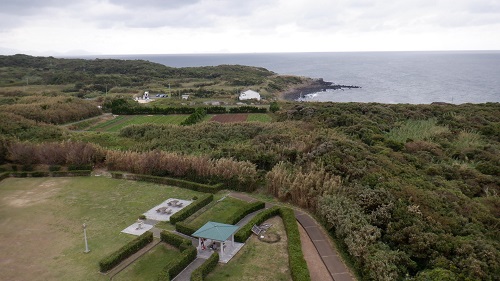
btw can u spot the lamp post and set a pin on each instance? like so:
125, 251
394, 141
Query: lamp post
85, 238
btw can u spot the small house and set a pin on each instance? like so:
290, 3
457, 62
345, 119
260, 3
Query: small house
249, 95
185, 97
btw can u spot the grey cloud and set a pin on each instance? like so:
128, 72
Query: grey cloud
27, 7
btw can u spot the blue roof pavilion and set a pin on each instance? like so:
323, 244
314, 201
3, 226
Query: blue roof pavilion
213, 233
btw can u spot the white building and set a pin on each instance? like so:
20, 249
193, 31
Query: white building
249, 95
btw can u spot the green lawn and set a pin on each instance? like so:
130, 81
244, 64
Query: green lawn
220, 211
150, 265
259, 117
122, 121
257, 260
41, 223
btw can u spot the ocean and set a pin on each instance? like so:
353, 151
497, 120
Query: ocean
384, 77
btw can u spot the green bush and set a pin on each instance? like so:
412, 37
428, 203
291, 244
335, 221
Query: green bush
247, 209
246, 230
191, 208
185, 228
81, 173
170, 181
126, 251
54, 168
173, 239
196, 117
201, 272
117, 175
174, 267
298, 265
27, 167
39, 174
4, 176
74, 167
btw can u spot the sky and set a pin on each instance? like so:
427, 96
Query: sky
108, 27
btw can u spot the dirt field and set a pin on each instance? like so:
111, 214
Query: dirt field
27, 249
228, 118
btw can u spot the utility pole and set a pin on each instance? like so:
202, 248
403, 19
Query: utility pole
85, 238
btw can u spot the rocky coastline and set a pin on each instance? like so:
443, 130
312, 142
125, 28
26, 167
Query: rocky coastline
314, 86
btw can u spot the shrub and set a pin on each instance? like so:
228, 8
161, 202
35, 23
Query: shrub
247, 109
201, 272
174, 267
185, 228
75, 167
173, 239
126, 251
117, 175
196, 117
39, 174
191, 208
54, 168
247, 209
4, 176
27, 168
298, 265
81, 173
170, 181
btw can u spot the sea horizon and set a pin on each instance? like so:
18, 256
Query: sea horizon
415, 77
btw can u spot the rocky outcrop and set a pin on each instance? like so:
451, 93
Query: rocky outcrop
314, 86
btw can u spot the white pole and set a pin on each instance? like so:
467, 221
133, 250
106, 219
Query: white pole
85, 237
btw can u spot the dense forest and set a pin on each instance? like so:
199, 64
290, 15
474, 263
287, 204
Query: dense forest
408, 192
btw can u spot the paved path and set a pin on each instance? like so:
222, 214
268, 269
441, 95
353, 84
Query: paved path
320, 239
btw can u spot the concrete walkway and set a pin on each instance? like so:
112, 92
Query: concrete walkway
338, 270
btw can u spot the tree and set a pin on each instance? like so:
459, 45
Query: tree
274, 107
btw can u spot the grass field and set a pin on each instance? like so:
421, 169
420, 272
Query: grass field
259, 117
150, 265
257, 260
41, 223
119, 122
217, 211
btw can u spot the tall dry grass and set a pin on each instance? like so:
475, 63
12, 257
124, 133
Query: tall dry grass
301, 186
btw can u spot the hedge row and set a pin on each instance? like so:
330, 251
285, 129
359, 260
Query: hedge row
126, 251
246, 230
247, 209
298, 265
139, 109
173, 239
247, 109
170, 181
174, 267
191, 208
201, 272
4, 176
39, 174
195, 117
187, 229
